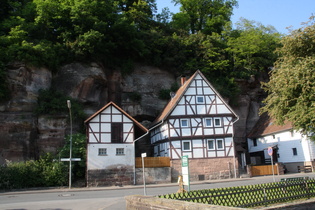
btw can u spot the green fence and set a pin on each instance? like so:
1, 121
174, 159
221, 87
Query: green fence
251, 195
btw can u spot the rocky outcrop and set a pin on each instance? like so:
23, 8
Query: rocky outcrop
25, 83
24, 135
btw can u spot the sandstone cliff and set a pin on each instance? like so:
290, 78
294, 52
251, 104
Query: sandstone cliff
24, 135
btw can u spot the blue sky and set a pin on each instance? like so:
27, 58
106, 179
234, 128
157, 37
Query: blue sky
278, 13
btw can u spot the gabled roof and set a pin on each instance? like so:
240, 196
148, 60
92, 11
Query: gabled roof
180, 92
266, 126
121, 110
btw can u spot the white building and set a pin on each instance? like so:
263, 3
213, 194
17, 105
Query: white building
111, 134
289, 147
197, 122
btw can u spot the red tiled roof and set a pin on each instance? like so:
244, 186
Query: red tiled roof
266, 125
121, 110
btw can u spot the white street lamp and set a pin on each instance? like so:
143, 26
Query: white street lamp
70, 170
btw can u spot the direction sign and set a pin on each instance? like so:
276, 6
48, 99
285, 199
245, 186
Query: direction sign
270, 151
72, 159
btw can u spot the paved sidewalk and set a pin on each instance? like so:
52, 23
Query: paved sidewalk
258, 179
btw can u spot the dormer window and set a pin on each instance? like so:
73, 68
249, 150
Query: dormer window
200, 99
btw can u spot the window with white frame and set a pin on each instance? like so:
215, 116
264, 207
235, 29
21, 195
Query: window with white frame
184, 122
208, 122
217, 122
200, 99
219, 143
211, 145
120, 151
102, 151
186, 146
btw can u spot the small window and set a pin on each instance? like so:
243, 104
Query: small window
120, 151
217, 122
186, 146
200, 99
220, 144
255, 142
294, 151
210, 144
208, 122
102, 151
273, 136
184, 122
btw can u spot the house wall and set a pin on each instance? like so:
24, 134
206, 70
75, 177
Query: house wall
199, 148
96, 161
206, 169
110, 168
285, 142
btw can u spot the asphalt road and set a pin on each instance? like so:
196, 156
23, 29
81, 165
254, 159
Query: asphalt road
111, 197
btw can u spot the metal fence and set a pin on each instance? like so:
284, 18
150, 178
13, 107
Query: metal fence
251, 195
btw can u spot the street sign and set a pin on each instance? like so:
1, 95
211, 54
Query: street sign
270, 151
143, 154
185, 171
185, 161
72, 159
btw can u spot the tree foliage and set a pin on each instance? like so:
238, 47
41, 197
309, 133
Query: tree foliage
291, 87
252, 47
207, 16
118, 33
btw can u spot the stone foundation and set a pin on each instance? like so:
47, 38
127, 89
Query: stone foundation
154, 175
110, 177
205, 169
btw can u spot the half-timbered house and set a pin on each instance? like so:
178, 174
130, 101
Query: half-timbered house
294, 150
196, 122
111, 136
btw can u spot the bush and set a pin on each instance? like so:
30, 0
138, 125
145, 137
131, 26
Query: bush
44, 172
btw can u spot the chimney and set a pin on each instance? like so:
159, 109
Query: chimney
182, 80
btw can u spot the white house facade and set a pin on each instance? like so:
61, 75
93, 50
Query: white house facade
197, 122
290, 147
111, 136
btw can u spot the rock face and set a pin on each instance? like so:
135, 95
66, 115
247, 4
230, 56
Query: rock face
24, 135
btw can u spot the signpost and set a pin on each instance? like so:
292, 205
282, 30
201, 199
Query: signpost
185, 171
270, 153
143, 155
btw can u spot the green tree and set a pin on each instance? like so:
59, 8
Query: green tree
78, 151
291, 89
252, 47
207, 16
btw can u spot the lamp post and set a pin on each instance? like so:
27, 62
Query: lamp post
70, 170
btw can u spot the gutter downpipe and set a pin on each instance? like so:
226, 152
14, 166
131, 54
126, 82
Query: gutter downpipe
134, 149
237, 118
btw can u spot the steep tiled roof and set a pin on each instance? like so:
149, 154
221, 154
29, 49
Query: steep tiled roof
180, 92
265, 125
121, 110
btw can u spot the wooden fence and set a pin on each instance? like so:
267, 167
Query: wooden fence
153, 162
263, 170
